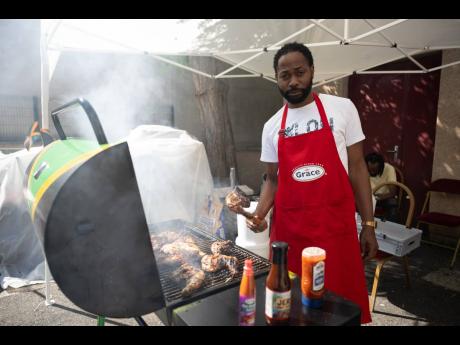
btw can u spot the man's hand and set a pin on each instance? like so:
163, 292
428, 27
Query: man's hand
235, 207
256, 224
253, 222
369, 245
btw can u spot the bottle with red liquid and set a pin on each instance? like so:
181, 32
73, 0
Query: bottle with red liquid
247, 305
278, 287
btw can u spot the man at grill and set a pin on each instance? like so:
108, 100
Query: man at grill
315, 169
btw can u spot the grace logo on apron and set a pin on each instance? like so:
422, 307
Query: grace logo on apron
307, 173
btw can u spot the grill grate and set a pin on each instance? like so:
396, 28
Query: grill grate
215, 281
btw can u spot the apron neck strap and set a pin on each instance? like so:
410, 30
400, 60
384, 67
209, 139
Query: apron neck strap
320, 107
322, 113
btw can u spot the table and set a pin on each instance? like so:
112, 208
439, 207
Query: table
222, 309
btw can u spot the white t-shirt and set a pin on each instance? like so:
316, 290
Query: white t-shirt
342, 116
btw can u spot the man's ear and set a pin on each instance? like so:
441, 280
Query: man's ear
312, 71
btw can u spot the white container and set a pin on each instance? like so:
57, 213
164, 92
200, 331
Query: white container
394, 238
262, 250
258, 243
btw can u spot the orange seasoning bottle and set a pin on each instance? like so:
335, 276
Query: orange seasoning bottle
313, 269
278, 287
247, 303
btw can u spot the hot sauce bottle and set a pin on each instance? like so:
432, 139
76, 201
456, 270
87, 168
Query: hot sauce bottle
247, 303
278, 287
313, 269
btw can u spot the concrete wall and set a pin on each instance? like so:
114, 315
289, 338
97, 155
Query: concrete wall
446, 162
251, 102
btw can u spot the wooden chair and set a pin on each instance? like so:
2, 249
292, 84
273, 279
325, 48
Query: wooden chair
400, 179
379, 212
383, 257
448, 186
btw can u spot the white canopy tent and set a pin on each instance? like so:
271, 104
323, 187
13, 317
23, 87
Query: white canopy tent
340, 47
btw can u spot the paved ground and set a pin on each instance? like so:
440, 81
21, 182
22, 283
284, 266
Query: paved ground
434, 298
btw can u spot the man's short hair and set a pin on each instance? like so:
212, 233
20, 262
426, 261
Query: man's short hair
375, 157
292, 47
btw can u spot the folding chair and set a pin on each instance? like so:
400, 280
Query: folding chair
447, 186
383, 257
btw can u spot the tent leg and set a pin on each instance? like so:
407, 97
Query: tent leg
48, 300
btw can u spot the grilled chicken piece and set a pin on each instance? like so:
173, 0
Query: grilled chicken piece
237, 197
187, 239
194, 278
181, 248
216, 262
221, 247
160, 239
170, 260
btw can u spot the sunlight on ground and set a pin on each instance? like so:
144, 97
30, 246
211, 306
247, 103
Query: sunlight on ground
449, 279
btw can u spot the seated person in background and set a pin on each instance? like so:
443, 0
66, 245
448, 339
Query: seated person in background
381, 172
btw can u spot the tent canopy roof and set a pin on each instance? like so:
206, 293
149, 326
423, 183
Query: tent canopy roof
340, 47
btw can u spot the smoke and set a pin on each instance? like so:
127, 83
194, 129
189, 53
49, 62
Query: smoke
125, 91
128, 91
20, 79
20, 57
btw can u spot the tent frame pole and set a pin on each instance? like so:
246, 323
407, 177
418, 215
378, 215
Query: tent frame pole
308, 27
273, 48
325, 28
374, 31
444, 66
345, 29
44, 78
394, 44
48, 300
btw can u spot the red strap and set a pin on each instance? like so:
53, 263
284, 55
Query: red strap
322, 114
283, 121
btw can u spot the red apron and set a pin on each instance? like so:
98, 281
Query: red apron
315, 206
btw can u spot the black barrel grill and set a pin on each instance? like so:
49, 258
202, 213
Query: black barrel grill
96, 239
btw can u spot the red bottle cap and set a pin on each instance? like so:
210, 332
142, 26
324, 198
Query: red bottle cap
248, 266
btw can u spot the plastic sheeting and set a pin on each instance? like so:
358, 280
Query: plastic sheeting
22, 261
172, 173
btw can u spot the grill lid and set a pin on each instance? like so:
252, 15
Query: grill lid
96, 238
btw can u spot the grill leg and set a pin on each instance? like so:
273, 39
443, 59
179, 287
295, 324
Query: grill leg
101, 320
140, 321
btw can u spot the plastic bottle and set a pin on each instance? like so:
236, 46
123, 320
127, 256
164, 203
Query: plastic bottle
313, 273
278, 287
247, 305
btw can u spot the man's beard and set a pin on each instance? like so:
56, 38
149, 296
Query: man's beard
302, 96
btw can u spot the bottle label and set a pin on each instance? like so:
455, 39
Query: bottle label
277, 304
247, 311
318, 276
